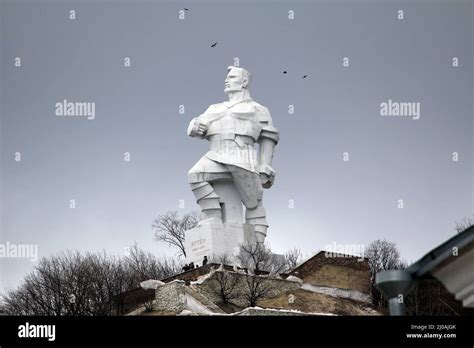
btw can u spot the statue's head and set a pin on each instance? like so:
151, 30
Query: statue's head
237, 79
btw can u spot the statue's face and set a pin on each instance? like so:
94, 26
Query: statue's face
234, 81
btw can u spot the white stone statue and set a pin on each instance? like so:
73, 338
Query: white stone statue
231, 173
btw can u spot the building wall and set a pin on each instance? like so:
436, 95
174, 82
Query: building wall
170, 297
349, 273
339, 277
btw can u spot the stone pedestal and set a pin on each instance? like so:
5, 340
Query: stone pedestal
214, 239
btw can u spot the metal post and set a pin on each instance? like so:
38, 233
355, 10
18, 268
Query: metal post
396, 307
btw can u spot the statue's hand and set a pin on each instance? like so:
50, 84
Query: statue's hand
197, 128
264, 179
202, 129
267, 176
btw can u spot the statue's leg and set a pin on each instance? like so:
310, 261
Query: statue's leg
207, 199
200, 178
257, 217
251, 191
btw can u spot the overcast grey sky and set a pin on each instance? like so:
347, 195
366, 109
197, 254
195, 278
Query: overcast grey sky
337, 110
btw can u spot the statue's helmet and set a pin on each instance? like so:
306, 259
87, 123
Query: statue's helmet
237, 79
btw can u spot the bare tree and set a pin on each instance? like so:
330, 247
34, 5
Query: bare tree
67, 284
256, 288
430, 297
149, 305
141, 265
72, 283
224, 285
260, 259
170, 227
223, 259
464, 224
382, 255
293, 258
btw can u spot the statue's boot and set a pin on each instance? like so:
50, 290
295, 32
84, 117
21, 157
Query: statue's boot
257, 218
208, 201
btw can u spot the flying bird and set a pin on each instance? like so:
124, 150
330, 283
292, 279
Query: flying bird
186, 9
305, 76
214, 44
284, 72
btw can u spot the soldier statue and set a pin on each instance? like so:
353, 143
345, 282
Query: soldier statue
232, 129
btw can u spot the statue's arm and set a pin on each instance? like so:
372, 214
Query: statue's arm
267, 141
199, 125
